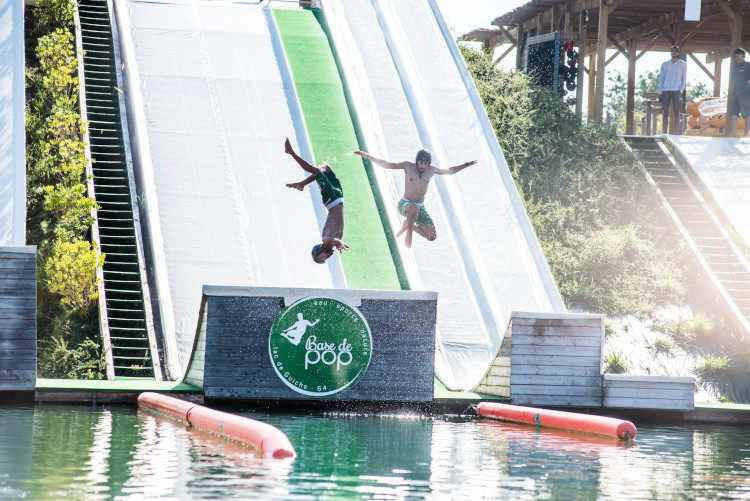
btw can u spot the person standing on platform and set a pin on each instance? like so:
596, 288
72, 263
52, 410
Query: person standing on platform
333, 199
672, 82
738, 102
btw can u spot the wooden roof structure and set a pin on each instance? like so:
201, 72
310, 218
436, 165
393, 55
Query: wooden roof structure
632, 27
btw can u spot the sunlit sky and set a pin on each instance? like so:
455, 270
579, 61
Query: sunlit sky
463, 16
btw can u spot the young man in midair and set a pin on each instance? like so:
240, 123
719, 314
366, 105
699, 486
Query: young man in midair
333, 199
417, 176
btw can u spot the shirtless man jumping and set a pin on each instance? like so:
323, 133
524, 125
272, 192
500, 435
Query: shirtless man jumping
417, 178
333, 199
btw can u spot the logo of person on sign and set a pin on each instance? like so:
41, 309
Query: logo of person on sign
320, 346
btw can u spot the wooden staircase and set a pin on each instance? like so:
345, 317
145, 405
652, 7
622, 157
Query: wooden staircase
721, 260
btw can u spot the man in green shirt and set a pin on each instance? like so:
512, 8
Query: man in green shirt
333, 199
738, 102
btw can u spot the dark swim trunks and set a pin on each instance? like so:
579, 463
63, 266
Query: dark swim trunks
423, 218
330, 189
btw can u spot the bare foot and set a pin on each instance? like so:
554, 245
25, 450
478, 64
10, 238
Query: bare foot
402, 230
288, 147
297, 186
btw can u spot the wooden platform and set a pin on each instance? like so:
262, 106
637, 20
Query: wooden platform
556, 360
119, 391
232, 355
17, 318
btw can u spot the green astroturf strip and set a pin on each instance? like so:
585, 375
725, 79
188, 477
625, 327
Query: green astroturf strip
368, 263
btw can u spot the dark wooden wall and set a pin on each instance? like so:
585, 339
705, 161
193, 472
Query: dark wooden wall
236, 362
17, 318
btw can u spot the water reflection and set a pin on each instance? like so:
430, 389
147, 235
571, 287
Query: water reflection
52, 452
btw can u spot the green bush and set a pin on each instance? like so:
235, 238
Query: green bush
713, 367
616, 363
71, 272
59, 213
663, 345
58, 360
606, 237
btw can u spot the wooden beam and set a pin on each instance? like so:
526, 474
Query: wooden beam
496, 61
663, 30
513, 39
736, 27
592, 84
717, 78
613, 57
521, 32
581, 59
648, 46
601, 62
618, 46
705, 70
655, 23
695, 30
630, 94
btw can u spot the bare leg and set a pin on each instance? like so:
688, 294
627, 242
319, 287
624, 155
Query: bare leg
427, 231
412, 211
664, 121
747, 127
732, 127
675, 121
307, 166
402, 230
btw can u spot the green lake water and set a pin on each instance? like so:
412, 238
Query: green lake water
63, 452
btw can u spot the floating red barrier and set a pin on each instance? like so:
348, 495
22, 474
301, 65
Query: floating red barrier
571, 421
268, 439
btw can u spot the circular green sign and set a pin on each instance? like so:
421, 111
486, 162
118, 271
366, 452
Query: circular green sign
320, 346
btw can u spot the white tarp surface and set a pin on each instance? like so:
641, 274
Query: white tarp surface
12, 129
486, 261
216, 103
723, 165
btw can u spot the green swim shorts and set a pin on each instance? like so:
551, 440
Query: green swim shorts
330, 188
423, 218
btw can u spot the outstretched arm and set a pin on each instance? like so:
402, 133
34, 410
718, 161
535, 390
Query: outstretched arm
335, 243
379, 161
454, 169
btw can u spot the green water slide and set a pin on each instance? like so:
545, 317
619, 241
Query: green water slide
370, 262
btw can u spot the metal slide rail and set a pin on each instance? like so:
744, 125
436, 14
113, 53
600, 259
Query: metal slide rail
133, 343
722, 262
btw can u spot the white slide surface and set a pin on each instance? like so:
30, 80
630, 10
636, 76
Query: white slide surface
723, 165
12, 125
211, 101
486, 261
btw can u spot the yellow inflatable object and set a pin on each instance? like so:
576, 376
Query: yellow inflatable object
692, 107
692, 121
711, 132
718, 120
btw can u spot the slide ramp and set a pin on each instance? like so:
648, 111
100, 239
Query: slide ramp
211, 99
486, 261
12, 131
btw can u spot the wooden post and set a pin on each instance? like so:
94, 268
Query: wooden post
717, 78
736, 31
581, 60
520, 39
630, 97
601, 60
592, 81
